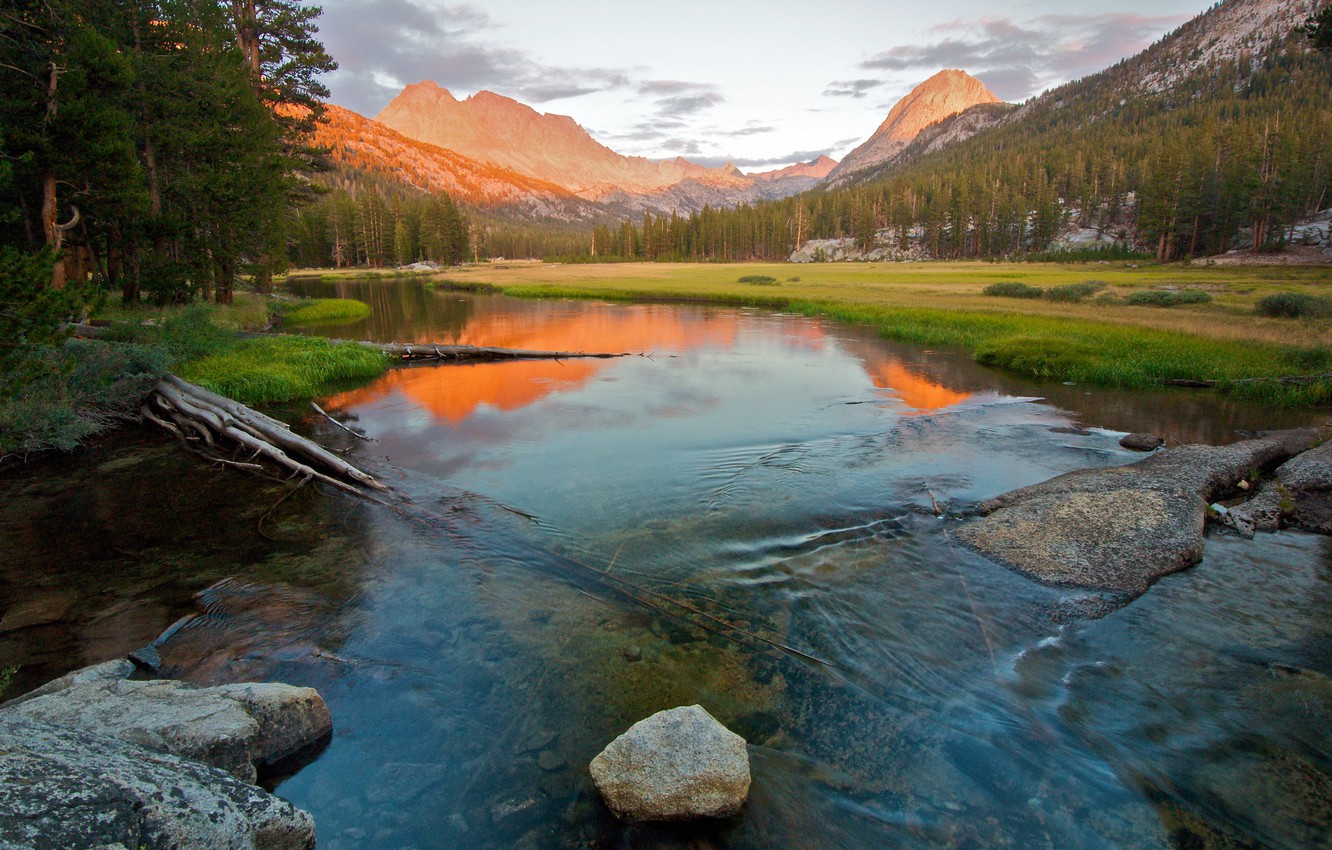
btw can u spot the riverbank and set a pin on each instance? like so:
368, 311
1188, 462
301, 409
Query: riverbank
1101, 339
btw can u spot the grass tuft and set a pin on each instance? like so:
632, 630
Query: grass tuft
273, 369
328, 311
1013, 289
758, 279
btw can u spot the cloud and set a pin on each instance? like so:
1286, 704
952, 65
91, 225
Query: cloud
1017, 60
765, 162
851, 88
382, 45
678, 98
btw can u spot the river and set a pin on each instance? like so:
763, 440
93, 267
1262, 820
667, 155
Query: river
741, 515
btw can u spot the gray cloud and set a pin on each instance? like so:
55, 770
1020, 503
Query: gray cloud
677, 98
382, 45
1018, 60
851, 88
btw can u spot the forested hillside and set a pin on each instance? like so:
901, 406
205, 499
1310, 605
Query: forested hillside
1202, 143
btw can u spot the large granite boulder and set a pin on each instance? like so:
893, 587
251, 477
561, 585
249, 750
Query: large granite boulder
674, 765
72, 788
1121, 528
238, 728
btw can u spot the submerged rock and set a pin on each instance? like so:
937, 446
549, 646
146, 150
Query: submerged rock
676, 764
71, 788
1121, 528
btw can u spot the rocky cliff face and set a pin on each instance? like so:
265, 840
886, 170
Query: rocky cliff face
946, 93
493, 128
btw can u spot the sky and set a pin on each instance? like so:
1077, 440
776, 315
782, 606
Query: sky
761, 83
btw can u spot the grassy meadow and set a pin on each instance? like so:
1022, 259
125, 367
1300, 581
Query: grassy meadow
1101, 339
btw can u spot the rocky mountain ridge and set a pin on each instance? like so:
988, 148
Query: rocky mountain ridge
943, 95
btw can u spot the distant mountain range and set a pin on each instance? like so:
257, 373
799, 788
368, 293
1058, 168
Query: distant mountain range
492, 151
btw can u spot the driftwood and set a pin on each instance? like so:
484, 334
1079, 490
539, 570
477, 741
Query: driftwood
195, 415
1293, 380
472, 353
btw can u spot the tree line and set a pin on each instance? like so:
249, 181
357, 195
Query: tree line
365, 220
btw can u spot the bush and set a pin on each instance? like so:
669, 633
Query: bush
759, 279
81, 389
328, 311
1074, 292
1167, 297
1293, 305
1012, 289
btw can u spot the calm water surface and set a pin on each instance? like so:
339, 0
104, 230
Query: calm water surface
743, 518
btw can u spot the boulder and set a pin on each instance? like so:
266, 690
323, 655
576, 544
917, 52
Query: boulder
238, 728
675, 765
64, 787
1141, 442
1121, 528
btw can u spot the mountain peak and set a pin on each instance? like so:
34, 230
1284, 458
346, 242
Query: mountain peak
948, 92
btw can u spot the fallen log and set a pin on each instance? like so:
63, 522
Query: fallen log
194, 414
475, 353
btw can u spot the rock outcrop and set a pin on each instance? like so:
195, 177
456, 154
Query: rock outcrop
1121, 528
238, 728
70, 788
675, 765
1299, 495
94, 758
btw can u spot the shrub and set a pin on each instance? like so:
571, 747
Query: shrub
1167, 297
1293, 305
1013, 289
1074, 292
759, 279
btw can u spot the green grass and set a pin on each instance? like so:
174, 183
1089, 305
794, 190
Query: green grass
1293, 305
272, 369
327, 311
758, 279
1013, 289
1097, 341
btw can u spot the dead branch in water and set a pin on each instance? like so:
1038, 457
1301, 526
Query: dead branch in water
196, 415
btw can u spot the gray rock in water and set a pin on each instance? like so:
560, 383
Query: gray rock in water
237, 728
674, 765
1141, 442
69, 788
1121, 528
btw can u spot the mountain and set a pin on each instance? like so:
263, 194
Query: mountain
361, 144
946, 93
493, 128
554, 149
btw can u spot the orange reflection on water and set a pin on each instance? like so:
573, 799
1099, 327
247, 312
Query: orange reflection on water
453, 393
916, 391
